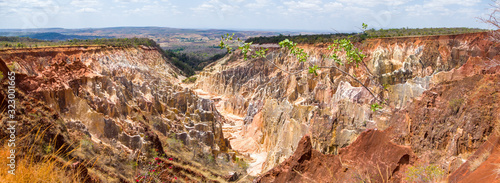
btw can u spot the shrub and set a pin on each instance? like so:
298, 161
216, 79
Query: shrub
189, 80
426, 173
455, 104
174, 143
210, 158
152, 170
86, 144
241, 163
48, 149
12, 66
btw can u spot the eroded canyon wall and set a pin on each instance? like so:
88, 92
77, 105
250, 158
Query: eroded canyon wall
126, 99
427, 84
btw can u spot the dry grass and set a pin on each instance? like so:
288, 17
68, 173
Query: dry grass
386, 178
302, 175
48, 170
496, 171
51, 167
204, 172
362, 176
478, 161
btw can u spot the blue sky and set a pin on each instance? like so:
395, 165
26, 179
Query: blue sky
322, 15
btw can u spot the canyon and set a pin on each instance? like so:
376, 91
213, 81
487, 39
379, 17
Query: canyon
249, 120
440, 94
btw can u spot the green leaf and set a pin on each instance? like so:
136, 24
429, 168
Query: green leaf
313, 70
375, 106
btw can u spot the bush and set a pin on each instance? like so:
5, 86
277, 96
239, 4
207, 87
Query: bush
428, 173
211, 158
241, 163
189, 80
455, 104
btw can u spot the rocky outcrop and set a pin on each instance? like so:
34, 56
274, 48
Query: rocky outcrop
482, 166
124, 98
453, 117
358, 162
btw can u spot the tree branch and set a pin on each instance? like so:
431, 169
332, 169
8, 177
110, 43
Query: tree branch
288, 72
329, 67
335, 67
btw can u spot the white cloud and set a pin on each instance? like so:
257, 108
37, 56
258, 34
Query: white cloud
86, 6
371, 3
221, 8
441, 3
333, 6
333, 9
29, 13
86, 10
259, 4
261, 14
204, 7
164, 8
442, 7
304, 5
29, 6
84, 3
216, 5
131, 1
318, 8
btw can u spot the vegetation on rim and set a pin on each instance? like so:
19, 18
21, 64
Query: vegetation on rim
355, 37
20, 42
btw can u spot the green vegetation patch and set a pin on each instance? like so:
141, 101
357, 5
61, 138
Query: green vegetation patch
189, 80
424, 173
305, 39
189, 63
357, 37
372, 33
22, 42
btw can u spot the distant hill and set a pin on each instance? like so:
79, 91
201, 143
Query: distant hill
165, 36
52, 36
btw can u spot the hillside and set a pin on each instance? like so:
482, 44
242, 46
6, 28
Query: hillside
113, 110
440, 94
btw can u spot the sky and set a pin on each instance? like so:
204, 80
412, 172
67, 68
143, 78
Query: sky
311, 15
